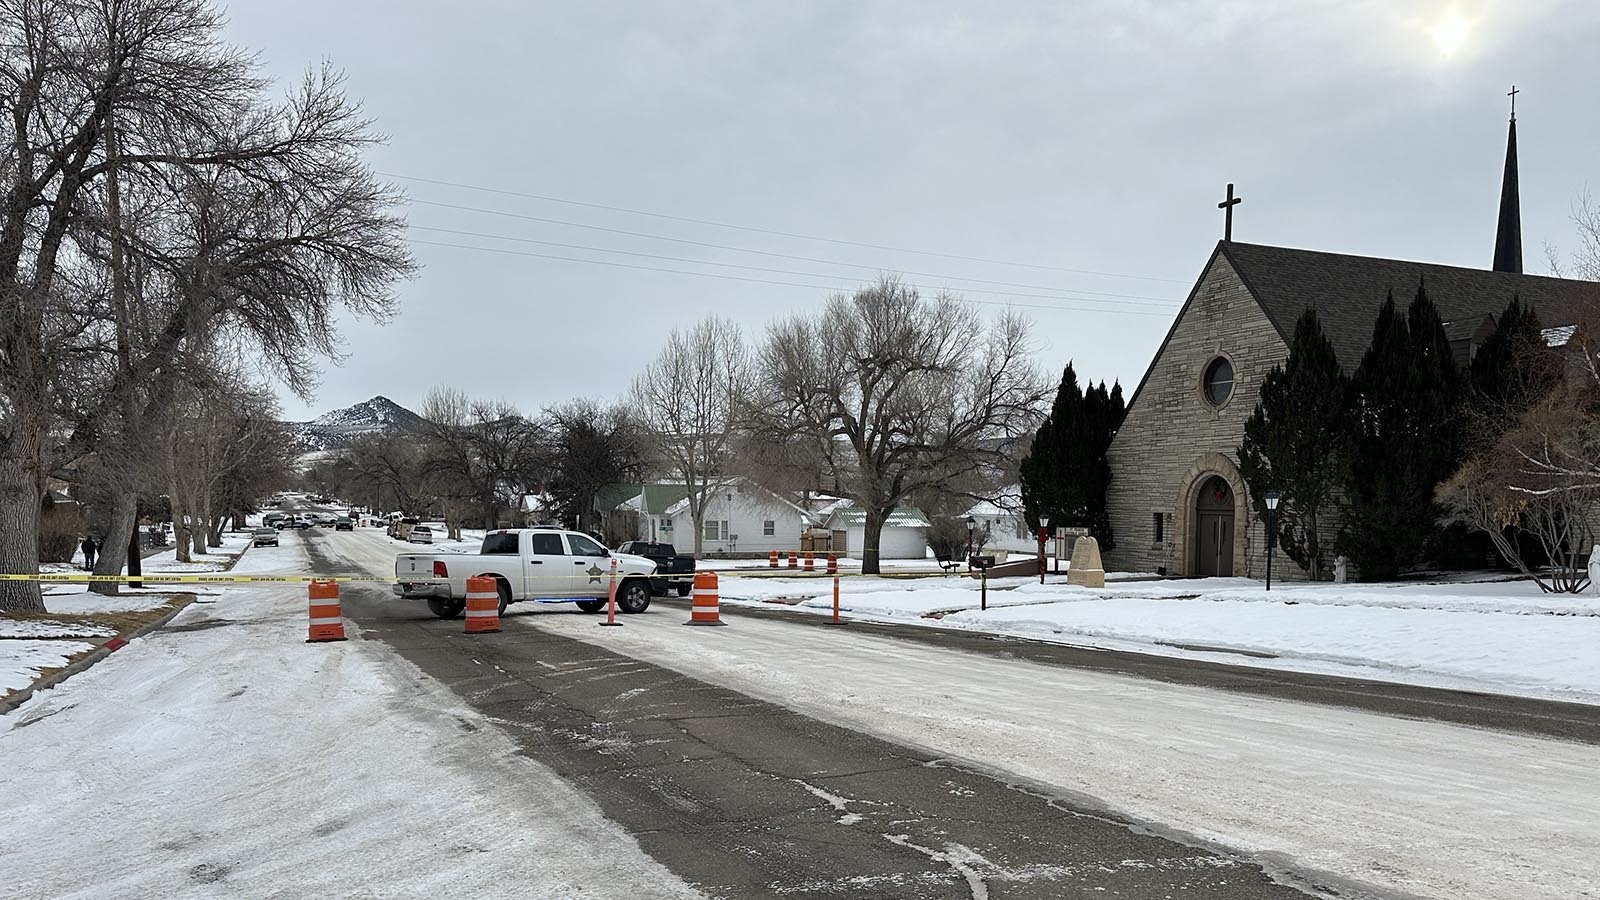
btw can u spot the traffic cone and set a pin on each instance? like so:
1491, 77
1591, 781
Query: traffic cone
772, 559
327, 624
705, 608
483, 605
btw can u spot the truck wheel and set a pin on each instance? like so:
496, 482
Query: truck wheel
503, 588
446, 609
683, 590
591, 606
633, 596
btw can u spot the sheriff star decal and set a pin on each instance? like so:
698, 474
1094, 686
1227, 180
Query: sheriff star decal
594, 573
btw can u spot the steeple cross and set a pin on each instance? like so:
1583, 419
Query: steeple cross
1227, 206
1513, 95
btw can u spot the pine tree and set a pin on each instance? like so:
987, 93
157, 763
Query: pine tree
1066, 474
1511, 371
1406, 438
1294, 443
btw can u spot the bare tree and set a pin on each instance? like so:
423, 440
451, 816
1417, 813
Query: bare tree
482, 454
265, 220
903, 394
591, 446
687, 401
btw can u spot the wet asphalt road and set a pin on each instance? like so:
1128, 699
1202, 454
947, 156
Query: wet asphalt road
747, 799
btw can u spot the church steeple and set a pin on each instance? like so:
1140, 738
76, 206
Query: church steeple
1508, 237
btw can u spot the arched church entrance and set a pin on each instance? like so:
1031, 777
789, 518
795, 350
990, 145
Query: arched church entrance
1214, 522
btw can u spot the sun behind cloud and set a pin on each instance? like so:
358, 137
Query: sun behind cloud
1451, 34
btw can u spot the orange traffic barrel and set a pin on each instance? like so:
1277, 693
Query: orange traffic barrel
327, 623
811, 561
794, 560
483, 605
705, 605
833, 564
772, 559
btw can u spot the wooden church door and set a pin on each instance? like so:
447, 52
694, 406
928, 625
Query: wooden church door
1214, 531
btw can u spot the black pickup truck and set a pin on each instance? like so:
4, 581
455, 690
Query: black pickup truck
672, 571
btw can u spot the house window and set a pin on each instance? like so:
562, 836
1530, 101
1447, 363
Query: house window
1161, 533
1218, 381
769, 528
666, 524
715, 530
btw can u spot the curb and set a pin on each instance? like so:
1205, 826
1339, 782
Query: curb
101, 652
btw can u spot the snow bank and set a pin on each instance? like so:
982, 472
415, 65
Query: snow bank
45, 628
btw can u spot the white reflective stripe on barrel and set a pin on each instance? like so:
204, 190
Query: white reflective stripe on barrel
333, 621
483, 613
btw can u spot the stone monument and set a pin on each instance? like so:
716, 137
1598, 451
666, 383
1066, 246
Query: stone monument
1086, 570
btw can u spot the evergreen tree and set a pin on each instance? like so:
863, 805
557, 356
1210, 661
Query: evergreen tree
1066, 474
1295, 442
1510, 372
1406, 438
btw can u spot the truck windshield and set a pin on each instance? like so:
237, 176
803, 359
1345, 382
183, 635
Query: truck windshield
502, 544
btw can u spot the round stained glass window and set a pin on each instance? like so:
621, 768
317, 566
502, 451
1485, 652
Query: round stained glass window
1218, 381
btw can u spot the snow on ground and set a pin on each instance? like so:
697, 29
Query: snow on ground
1414, 807
45, 628
21, 661
235, 759
1502, 636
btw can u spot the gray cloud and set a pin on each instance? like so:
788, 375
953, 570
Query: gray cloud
1094, 136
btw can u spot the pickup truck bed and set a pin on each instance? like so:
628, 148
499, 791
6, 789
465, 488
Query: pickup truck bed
674, 572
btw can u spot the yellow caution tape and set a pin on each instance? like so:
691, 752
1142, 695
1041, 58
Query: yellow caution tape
175, 578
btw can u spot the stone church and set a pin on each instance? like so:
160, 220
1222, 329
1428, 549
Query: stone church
1177, 503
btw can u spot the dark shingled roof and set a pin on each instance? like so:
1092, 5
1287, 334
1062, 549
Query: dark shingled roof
1347, 292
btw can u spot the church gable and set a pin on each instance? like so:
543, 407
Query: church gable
1183, 413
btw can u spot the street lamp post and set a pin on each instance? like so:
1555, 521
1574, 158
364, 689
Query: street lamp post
1044, 529
1272, 531
971, 525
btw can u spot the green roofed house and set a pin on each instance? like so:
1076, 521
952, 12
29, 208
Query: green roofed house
650, 503
904, 536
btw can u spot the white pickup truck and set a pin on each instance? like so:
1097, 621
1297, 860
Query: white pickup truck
545, 565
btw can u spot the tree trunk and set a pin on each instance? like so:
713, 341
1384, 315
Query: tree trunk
871, 537
180, 524
19, 525
114, 546
214, 539
199, 518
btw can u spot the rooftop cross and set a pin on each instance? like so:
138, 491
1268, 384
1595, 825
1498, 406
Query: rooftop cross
1228, 205
1513, 95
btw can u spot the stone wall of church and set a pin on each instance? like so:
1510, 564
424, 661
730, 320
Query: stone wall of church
1173, 439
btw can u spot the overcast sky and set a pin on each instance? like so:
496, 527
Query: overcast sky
1060, 148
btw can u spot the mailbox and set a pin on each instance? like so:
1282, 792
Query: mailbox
980, 562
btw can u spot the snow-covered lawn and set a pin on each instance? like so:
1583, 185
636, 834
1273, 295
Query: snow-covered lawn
21, 661
1502, 636
238, 760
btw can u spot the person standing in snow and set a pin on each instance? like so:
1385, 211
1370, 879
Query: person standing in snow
89, 550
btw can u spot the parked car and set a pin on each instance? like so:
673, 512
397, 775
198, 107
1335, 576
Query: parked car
343, 523
271, 519
673, 572
264, 536
401, 527
541, 564
420, 534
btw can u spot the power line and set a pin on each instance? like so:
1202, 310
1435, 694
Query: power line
1165, 305
713, 246
814, 287
758, 230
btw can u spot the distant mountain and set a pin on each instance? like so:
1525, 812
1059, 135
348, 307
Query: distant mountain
335, 429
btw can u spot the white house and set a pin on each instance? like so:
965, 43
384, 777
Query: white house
904, 535
741, 517
1007, 528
